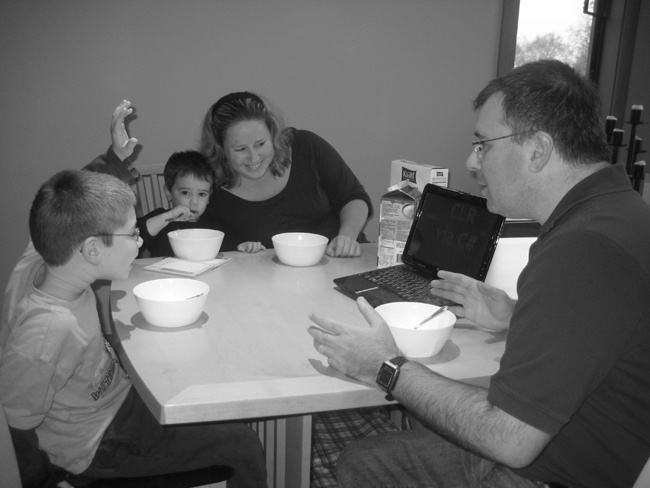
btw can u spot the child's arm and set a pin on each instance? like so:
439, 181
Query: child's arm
250, 246
122, 144
116, 160
157, 223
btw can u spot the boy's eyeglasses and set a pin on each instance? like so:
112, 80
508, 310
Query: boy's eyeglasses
135, 235
478, 146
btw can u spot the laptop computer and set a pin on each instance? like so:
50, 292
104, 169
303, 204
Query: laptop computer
452, 231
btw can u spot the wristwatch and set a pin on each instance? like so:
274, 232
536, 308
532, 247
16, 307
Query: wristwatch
388, 374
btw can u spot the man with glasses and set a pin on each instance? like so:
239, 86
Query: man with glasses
570, 403
70, 406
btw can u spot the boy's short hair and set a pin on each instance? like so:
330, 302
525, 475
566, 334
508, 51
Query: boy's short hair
188, 163
74, 205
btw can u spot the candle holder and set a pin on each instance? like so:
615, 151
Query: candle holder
633, 150
638, 176
617, 142
610, 125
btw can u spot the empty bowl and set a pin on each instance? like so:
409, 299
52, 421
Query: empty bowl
425, 341
171, 302
196, 244
299, 248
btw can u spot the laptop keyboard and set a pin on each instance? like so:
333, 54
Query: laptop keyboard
409, 286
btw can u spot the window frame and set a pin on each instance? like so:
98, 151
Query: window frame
611, 48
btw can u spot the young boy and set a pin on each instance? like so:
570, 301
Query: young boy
189, 180
69, 404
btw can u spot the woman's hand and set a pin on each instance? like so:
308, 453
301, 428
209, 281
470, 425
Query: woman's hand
486, 305
250, 246
122, 144
353, 217
343, 247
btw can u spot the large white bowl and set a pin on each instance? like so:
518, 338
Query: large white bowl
299, 248
425, 341
171, 302
196, 244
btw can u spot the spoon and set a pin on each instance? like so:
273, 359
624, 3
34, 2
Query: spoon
195, 296
434, 314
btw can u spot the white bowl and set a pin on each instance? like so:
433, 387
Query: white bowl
299, 248
171, 302
196, 244
425, 341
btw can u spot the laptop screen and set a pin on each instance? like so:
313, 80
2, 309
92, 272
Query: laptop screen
453, 231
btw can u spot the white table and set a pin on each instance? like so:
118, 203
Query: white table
249, 355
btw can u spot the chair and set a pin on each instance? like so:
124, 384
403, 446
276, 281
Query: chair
520, 228
212, 476
150, 190
151, 187
10, 476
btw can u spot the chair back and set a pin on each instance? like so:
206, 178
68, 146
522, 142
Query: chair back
9, 474
151, 187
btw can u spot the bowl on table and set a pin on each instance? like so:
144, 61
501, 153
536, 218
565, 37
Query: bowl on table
425, 341
171, 302
299, 248
196, 244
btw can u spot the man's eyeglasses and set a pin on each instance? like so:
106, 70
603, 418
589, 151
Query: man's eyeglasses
478, 146
135, 235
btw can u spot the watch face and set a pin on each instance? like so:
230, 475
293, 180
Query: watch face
385, 376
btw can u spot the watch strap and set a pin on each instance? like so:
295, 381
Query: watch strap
397, 361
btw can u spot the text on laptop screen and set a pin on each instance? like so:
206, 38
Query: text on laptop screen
448, 233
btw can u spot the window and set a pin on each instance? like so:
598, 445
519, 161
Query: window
554, 29
570, 30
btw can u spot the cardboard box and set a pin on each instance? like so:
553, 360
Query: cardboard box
418, 174
396, 212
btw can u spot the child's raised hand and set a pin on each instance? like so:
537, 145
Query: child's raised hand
122, 144
251, 247
179, 213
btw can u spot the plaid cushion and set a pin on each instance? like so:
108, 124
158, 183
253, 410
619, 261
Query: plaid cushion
332, 431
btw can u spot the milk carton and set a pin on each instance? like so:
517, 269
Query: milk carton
418, 174
396, 212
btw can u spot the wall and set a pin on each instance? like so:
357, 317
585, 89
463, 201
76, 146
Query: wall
379, 79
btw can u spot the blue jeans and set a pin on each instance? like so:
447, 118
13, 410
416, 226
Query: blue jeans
419, 459
135, 444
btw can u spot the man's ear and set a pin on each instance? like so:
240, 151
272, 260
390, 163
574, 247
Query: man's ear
91, 249
168, 193
542, 148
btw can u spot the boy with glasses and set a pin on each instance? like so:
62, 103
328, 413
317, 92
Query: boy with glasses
69, 403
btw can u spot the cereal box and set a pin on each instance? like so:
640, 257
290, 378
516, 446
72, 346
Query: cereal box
418, 174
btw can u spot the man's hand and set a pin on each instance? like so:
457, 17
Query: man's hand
122, 144
355, 351
486, 305
343, 246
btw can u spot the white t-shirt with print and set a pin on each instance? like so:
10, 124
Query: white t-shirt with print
58, 373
